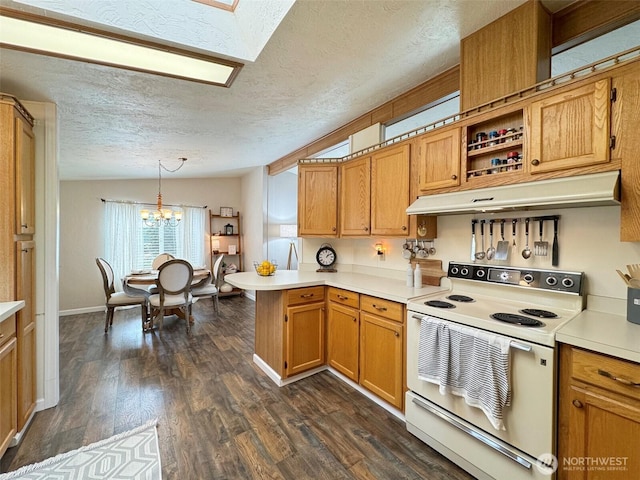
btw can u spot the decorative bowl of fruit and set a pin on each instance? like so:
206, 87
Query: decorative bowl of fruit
265, 268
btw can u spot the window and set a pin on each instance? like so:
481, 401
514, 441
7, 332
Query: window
445, 108
129, 244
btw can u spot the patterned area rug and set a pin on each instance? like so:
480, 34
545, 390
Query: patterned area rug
131, 455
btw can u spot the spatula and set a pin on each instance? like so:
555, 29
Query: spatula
540, 248
502, 249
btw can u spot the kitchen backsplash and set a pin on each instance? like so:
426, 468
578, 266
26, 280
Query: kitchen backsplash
588, 242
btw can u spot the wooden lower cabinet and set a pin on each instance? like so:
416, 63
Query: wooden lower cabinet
8, 382
290, 332
366, 344
343, 334
305, 338
26, 330
599, 416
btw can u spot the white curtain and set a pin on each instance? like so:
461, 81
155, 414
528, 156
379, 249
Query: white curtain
124, 246
122, 239
191, 244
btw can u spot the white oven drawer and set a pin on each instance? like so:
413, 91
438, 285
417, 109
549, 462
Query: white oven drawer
529, 421
493, 460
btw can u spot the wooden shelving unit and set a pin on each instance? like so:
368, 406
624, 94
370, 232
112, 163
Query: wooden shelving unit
226, 233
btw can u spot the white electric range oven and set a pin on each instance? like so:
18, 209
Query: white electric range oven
524, 307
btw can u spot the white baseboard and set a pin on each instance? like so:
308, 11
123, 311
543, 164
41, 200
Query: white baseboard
79, 311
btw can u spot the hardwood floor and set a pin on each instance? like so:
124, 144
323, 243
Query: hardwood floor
219, 415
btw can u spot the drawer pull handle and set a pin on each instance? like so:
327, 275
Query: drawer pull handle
307, 295
343, 297
382, 309
577, 403
624, 381
396, 334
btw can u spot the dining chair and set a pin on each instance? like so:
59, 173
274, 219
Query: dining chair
117, 299
174, 292
160, 259
209, 288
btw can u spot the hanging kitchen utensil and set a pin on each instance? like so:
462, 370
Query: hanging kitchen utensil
491, 251
473, 239
634, 270
625, 277
526, 253
502, 251
541, 247
555, 254
432, 248
480, 254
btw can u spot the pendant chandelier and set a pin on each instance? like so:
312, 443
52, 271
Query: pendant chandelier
166, 216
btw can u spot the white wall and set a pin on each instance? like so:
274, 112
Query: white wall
282, 209
82, 225
254, 206
588, 240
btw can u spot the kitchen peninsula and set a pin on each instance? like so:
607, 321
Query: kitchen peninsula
350, 322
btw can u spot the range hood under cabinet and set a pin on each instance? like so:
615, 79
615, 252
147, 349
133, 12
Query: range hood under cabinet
591, 190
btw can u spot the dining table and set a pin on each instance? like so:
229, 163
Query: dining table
138, 282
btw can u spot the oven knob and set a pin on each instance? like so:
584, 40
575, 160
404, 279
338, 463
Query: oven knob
455, 270
551, 281
464, 271
528, 277
567, 282
480, 274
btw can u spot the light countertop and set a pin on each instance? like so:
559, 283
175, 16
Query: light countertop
389, 289
9, 308
604, 331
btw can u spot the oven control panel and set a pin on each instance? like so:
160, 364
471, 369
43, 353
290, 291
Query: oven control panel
557, 280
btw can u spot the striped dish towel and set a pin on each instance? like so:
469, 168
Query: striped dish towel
467, 362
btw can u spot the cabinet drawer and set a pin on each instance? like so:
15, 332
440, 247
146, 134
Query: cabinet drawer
344, 297
605, 372
305, 295
384, 308
7, 329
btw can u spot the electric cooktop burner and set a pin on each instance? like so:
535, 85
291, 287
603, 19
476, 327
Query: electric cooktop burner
439, 304
517, 319
535, 312
460, 298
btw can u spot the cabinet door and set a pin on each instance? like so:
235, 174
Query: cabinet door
318, 200
304, 338
342, 339
390, 191
382, 357
439, 159
355, 197
8, 416
571, 129
25, 177
602, 429
26, 331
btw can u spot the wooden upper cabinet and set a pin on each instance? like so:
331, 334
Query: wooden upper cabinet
318, 200
571, 129
390, 191
25, 177
439, 159
355, 197
510, 54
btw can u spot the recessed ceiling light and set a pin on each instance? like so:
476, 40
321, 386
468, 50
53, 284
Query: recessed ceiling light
37, 34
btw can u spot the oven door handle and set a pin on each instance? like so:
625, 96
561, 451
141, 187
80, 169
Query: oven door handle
518, 345
475, 434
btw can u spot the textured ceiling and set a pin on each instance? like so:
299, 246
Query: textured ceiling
328, 62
